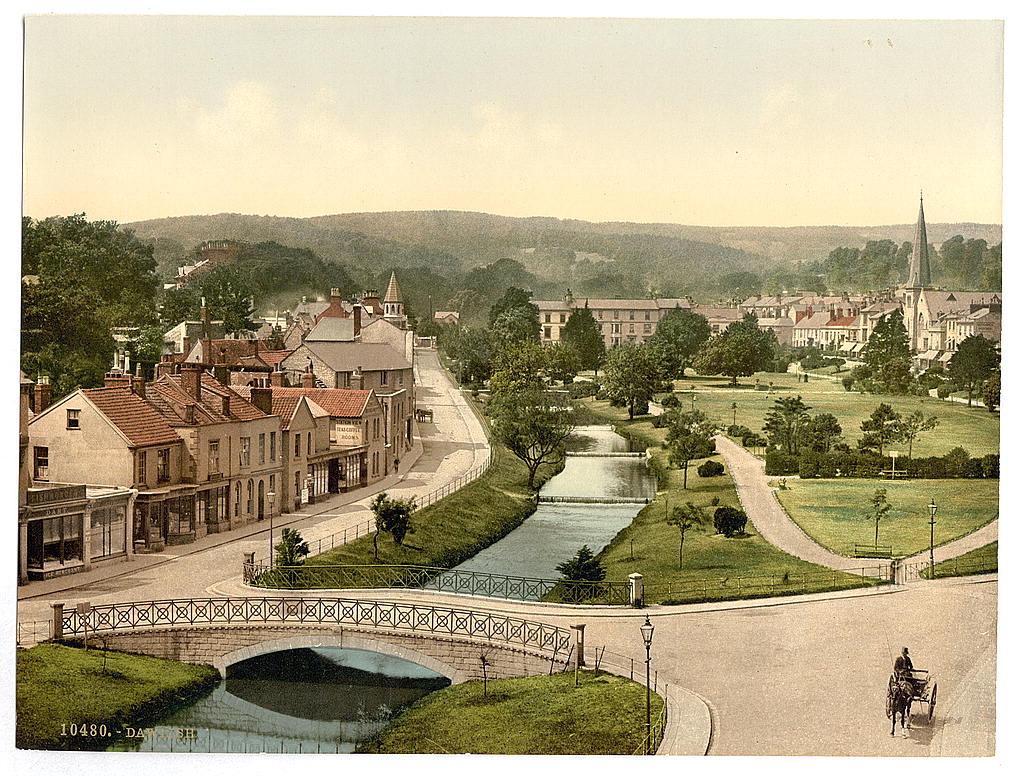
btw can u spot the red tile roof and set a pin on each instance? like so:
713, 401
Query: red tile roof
169, 396
133, 416
336, 402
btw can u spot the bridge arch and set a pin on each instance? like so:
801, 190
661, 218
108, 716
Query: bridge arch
342, 640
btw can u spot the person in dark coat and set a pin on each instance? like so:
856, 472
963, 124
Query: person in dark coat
904, 665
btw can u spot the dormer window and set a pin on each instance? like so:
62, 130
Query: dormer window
74, 423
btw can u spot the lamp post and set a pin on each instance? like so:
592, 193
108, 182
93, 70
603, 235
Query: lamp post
932, 509
734, 413
647, 632
270, 498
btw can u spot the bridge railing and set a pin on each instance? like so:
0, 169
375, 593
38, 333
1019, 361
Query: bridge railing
113, 618
344, 577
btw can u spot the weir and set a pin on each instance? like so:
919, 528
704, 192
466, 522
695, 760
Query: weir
591, 500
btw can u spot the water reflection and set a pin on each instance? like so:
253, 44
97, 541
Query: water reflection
304, 700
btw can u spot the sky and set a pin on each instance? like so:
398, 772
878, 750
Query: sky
716, 122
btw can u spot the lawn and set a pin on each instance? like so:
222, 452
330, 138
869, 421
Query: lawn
458, 526
534, 715
714, 567
833, 512
980, 561
59, 686
975, 428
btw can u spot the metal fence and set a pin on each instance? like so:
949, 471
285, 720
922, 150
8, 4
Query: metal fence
954, 567
108, 618
344, 577
33, 632
338, 538
761, 586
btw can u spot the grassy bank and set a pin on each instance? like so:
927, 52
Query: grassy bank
974, 428
59, 686
713, 567
534, 715
833, 512
458, 526
983, 560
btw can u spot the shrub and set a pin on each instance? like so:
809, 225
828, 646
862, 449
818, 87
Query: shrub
974, 469
990, 466
760, 387
670, 401
710, 469
848, 383
956, 462
730, 521
659, 421
582, 567
738, 431
753, 440
583, 388
777, 462
943, 391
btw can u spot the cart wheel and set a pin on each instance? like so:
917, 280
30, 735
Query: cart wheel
931, 701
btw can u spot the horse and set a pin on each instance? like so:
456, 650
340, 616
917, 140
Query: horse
899, 700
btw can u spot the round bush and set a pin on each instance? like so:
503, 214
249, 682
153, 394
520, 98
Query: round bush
670, 401
730, 521
710, 469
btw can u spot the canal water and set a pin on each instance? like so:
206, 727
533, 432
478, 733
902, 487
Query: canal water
323, 700
595, 469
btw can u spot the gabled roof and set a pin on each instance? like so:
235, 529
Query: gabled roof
842, 323
171, 396
336, 402
137, 420
333, 329
348, 356
816, 320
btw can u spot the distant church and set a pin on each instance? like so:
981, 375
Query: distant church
937, 321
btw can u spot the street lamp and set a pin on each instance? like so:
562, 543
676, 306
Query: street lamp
647, 632
270, 497
932, 509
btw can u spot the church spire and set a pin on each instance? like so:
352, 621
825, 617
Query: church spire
920, 271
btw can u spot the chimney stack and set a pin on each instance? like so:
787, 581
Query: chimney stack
357, 310
115, 378
191, 380
221, 374
164, 368
262, 399
308, 381
277, 379
139, 382
43, 394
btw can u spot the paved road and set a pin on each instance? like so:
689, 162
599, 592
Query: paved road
452, 445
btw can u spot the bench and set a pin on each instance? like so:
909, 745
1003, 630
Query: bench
872, 551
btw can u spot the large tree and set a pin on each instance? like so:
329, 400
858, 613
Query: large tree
583, 335
393, 516
880, 429
739, 351
786, 423
631, 376
689, 437
823, 431
531, 425
519, 366
682, 333
516, 324
975, 359
887, 355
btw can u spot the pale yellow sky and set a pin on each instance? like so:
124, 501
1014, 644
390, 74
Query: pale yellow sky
698, 122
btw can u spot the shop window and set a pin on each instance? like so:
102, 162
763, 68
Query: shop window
62, 539
107, 532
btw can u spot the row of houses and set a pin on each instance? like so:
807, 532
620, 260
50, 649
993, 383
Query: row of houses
227, 433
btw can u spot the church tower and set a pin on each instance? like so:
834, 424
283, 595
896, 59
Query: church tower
918, 279
394, 308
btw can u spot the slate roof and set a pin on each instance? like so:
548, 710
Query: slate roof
133, 416
347, 356
336, 402
169, 395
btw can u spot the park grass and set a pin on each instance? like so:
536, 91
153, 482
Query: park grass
974, 428
833, 512
714, 567
458, 526
65, 685
983, 560
533, 715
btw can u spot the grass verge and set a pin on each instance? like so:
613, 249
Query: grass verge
713, 567
983, 560
458, 526
60, 686
834, 512
974, 428
533, 715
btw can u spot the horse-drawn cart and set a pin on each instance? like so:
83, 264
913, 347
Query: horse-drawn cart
926, 689
905, 688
